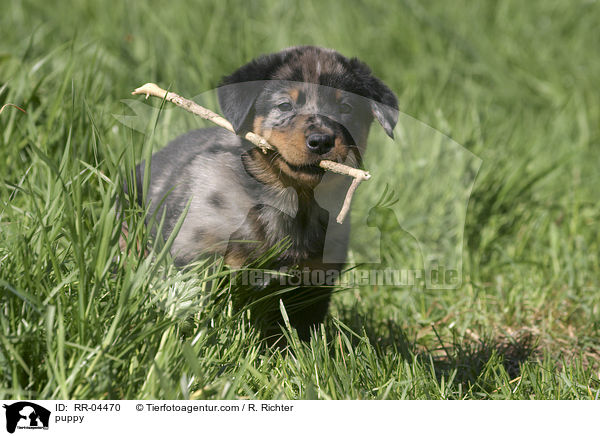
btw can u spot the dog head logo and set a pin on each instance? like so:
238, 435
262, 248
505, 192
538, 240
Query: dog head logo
26, 415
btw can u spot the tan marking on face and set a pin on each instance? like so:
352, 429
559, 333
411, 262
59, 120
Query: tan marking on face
294, 94
340, 150
338, 95
291, 144
257, 125
292, 148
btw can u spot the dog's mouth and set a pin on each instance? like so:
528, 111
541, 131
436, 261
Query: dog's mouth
273, 164
312, 168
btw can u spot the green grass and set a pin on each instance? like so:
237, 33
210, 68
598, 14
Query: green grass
515, 83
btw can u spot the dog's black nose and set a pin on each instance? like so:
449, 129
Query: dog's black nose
320, 143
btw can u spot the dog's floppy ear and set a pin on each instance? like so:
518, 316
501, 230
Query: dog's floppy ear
237, 103
238, 91
383, 102
386, 113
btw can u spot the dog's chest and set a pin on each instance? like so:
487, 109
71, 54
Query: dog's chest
304, 231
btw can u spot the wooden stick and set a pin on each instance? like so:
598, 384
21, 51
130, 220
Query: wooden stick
151, 89
346, 206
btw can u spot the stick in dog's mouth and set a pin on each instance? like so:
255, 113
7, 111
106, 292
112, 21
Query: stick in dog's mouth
151, 89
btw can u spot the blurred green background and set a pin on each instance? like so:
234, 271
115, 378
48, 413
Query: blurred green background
516, 83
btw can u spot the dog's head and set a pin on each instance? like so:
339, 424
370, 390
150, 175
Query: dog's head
310, 104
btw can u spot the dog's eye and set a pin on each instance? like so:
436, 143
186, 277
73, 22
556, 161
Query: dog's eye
345, 108
285, 107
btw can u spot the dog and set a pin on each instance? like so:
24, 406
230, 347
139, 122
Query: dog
311, 104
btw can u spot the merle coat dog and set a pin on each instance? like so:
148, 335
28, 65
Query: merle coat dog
310, 103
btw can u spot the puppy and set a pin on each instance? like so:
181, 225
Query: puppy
311, 104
